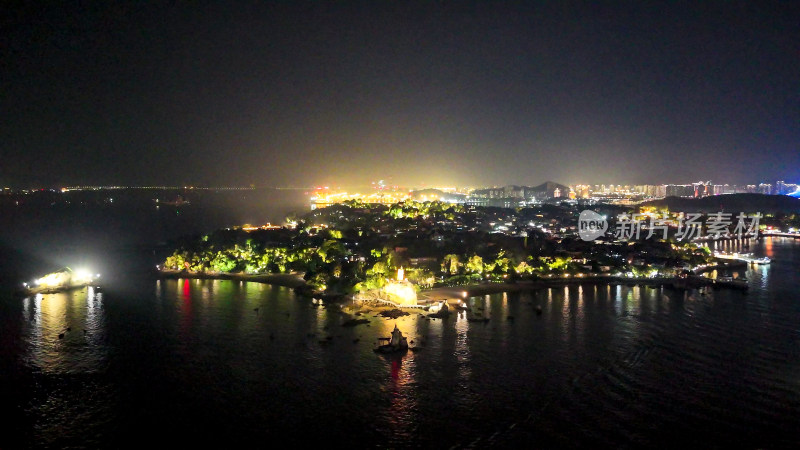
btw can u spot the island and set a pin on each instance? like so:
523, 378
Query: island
416, 254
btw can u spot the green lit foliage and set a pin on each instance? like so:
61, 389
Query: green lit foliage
421, 277
223, 262
474, 265
396, 211
370, 283
356, 203
175, 261
523, 268
556, 264
379, 268
499, 265
318, 281
331, 250
199, 262
451, 264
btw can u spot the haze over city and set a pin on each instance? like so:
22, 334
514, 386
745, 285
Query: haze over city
461, 93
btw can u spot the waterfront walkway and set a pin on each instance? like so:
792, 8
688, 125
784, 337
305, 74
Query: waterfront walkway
779, 234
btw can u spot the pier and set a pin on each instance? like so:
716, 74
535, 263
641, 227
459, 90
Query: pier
744, 257
781, 234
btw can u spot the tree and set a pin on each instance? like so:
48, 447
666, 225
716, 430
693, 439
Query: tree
318, 282
523, 268
331, 250
379, 268
451, 264
421, 277
501, 262
558, 263
474, 265
223, 263
175, 261
396, 211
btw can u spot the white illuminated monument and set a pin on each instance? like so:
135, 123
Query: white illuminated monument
398, 340
401, 291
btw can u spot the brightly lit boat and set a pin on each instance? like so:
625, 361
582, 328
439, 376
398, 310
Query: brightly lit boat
59, 281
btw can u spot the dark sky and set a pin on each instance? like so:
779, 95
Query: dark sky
430, 92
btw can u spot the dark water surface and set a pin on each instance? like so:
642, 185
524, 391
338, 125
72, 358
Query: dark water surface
190, 361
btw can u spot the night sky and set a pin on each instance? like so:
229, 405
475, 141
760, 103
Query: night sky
290, 94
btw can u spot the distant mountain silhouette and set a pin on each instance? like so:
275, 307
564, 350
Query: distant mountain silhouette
512, 190
431, 193
550, 186
731, 203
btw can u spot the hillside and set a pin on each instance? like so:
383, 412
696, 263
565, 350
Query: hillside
731, 203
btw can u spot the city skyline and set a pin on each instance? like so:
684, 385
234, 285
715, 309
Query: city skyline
571, 190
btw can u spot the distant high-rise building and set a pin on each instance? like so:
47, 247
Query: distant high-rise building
679, 190
702, 189
581, 190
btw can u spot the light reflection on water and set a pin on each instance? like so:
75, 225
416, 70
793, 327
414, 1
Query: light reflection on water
65, 331
598, 366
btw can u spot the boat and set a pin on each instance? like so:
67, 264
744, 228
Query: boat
60, 281
397, 343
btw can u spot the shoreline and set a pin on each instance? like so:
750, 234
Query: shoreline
721, 266
455, 294
290, 280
